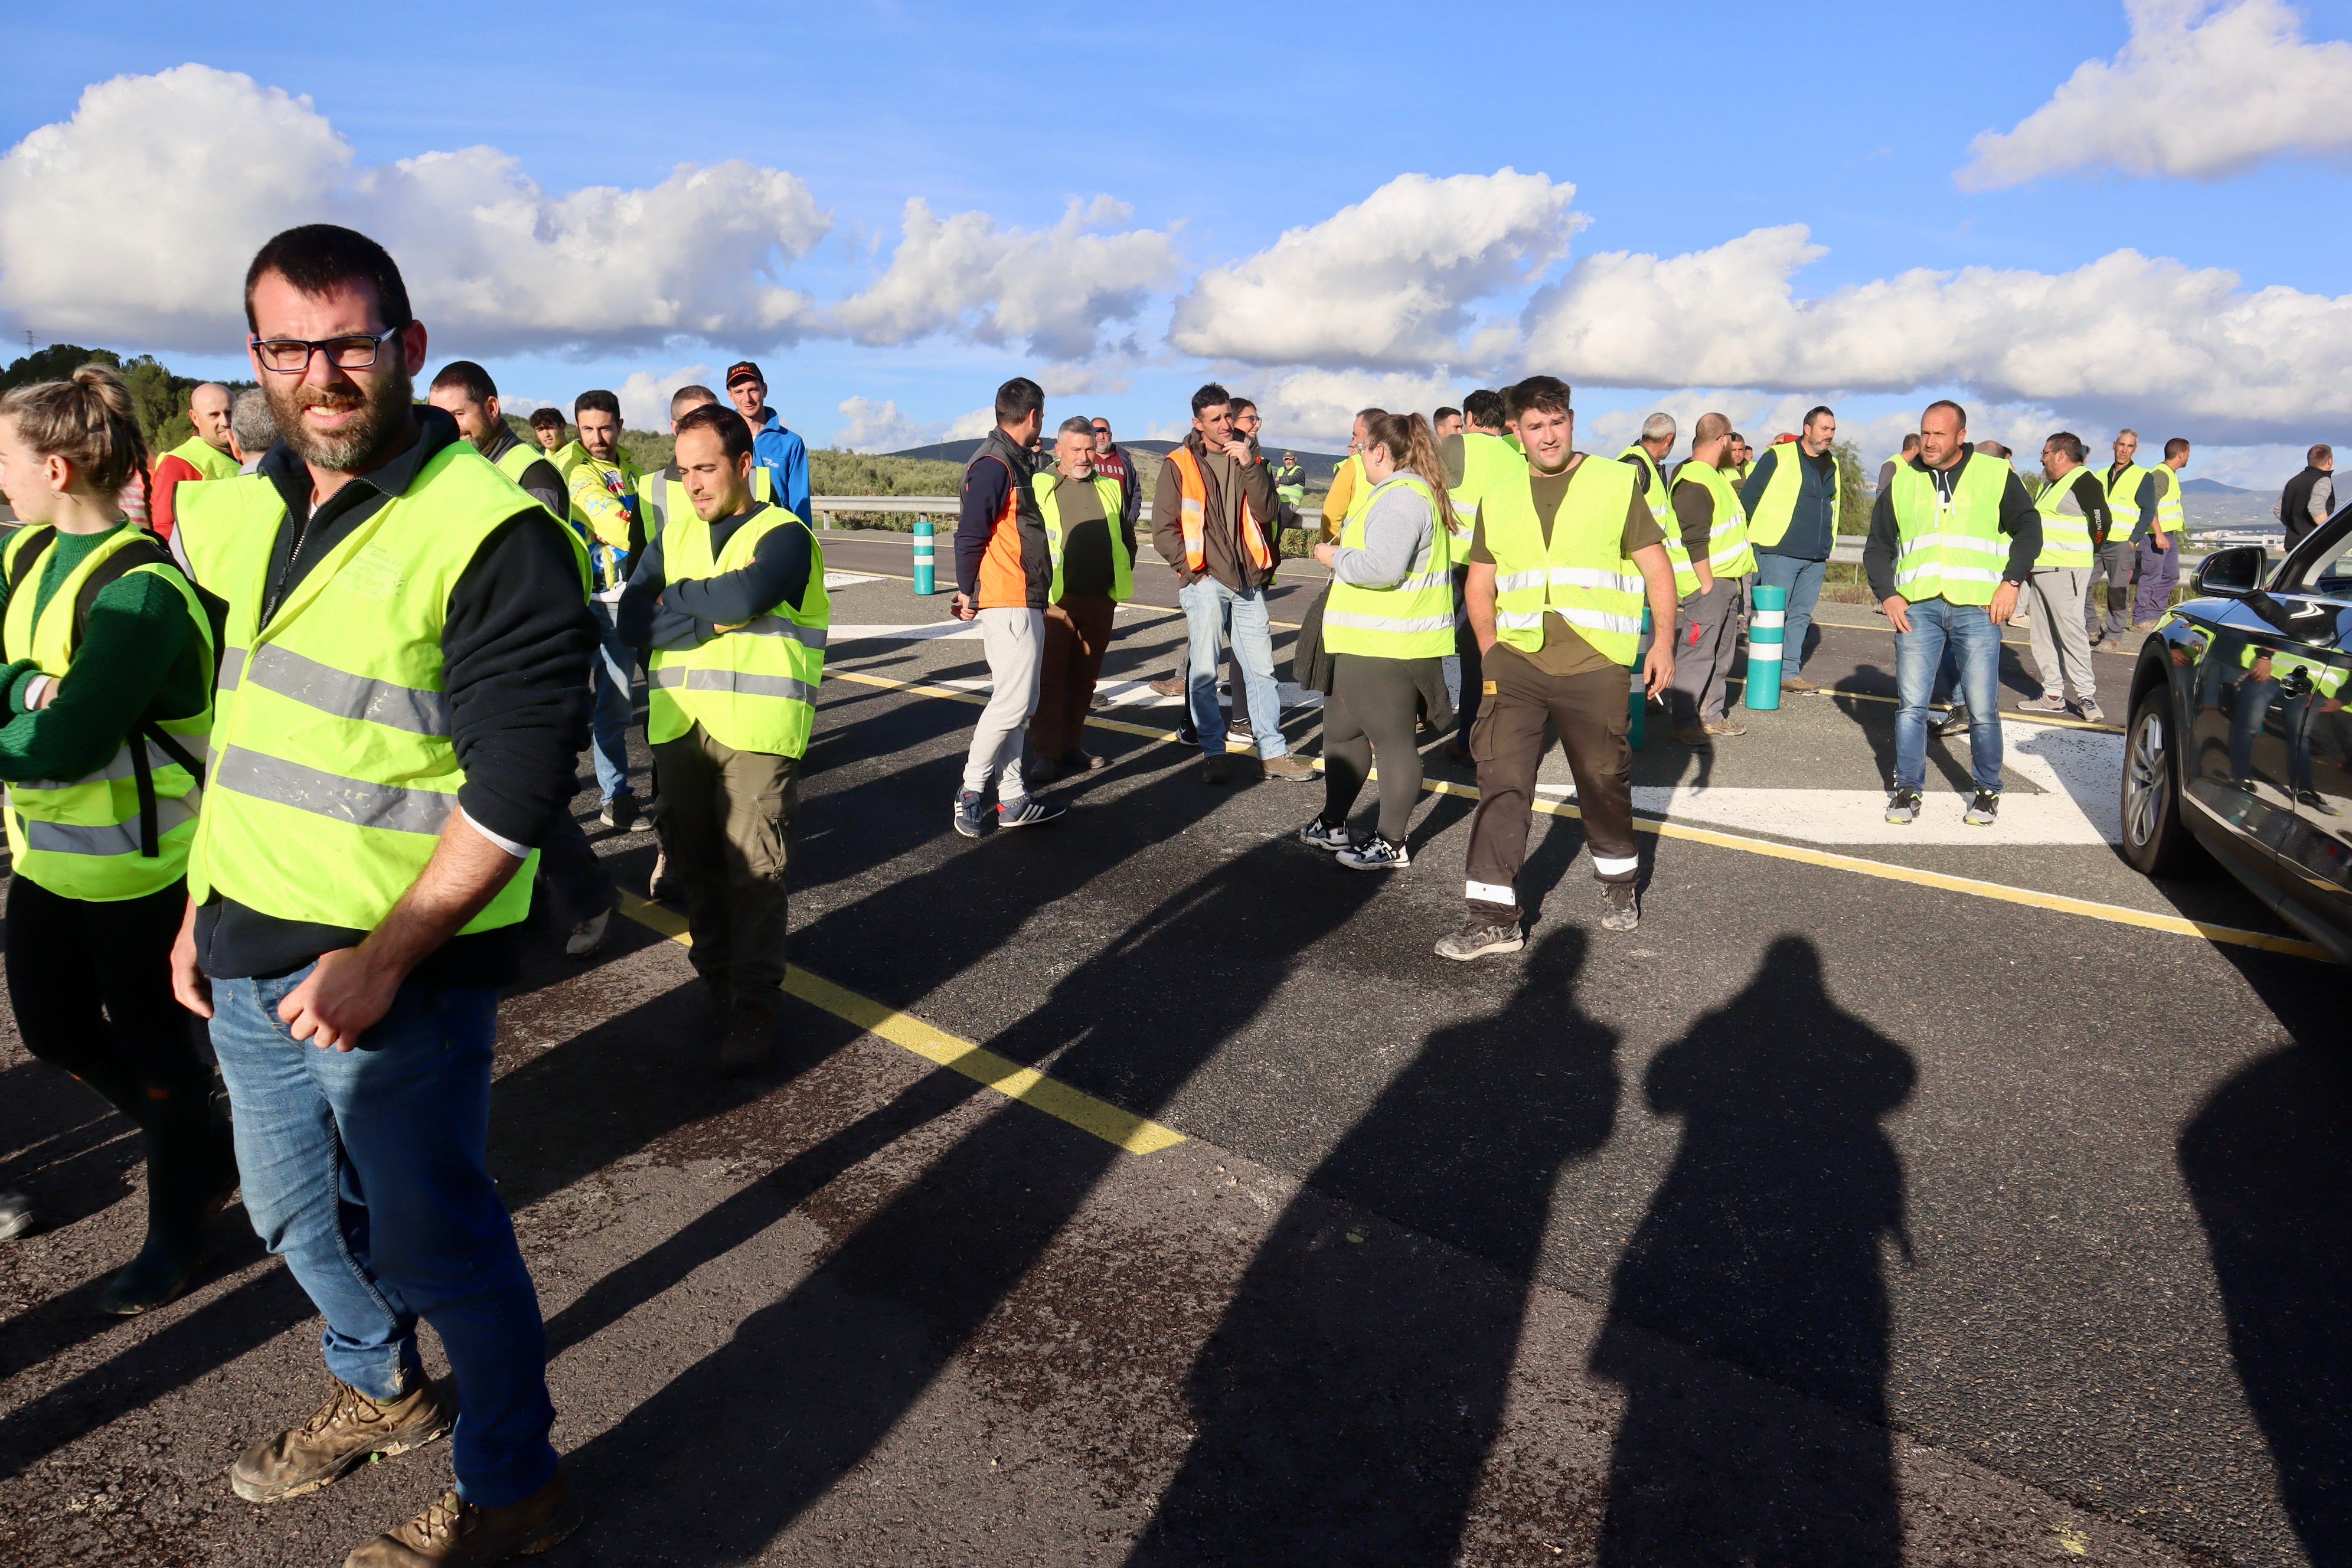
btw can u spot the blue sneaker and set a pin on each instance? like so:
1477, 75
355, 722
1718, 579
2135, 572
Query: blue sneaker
1029, 813
969, 813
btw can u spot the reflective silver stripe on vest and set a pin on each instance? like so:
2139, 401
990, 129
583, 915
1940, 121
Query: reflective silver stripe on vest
119, 768
354, 801
1389, 624
740, 683
773, 624
349, 696
1415, 585
1521, 619
1510, 581
232, 661
1599, 620
108, 839
1587, 577
1977, 542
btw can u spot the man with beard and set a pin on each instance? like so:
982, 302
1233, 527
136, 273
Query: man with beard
464, 392
400, 705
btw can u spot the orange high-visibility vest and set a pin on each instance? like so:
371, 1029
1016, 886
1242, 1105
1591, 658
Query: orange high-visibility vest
1194, 513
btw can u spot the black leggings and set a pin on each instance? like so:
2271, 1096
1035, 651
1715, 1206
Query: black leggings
1373, 711
91, 987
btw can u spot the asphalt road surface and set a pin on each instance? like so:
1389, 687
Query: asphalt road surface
1142, 1189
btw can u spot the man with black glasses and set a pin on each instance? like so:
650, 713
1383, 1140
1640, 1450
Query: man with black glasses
399, 710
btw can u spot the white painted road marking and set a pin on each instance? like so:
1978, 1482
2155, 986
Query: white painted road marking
2080, 773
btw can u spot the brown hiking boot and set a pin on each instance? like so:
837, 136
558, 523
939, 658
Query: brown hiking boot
453, 1533
1297, 770
751, 1034
342, 1435
1214, 770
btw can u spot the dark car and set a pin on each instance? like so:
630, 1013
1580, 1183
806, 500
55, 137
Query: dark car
2239, 746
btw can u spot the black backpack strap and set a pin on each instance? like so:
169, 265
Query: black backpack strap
144, 550
28, 556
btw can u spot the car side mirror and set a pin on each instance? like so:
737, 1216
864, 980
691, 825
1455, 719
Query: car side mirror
2232, 573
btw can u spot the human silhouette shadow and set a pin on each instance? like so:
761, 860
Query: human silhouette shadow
808, 1386
1348, 1401
1761, 1248
2268, 1163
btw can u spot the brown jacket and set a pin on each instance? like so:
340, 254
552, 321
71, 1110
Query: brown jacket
1221, 528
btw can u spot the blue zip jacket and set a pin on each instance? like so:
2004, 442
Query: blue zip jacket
785, 455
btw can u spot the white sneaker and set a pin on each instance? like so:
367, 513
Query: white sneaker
1375, 854
1323, 836
588, 937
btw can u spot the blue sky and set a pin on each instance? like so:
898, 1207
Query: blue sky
1209, 139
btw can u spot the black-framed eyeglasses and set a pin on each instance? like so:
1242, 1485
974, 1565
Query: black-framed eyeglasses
291, 356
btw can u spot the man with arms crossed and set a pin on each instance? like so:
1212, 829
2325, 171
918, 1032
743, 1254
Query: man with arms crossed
730, 597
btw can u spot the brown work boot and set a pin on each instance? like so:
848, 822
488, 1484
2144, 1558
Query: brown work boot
1297, 770
1214, 769
1690, 735
453, 1533
751, 1033
342, 1435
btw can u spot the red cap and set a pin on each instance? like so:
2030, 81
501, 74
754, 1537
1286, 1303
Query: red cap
745, 370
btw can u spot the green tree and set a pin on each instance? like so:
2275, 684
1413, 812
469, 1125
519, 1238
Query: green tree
1853, 499
55, 363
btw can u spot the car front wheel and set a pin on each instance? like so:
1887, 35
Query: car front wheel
2157, 842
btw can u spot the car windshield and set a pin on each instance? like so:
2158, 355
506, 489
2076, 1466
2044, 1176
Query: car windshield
2324, 566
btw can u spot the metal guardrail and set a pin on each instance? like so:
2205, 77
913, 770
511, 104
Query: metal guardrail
1846, 552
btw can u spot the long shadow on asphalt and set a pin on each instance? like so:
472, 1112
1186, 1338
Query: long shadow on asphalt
1761, 1248
1348, 1401
808, 1387
2268, 1163
604, 1094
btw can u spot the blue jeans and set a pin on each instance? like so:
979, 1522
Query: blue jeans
608, 721
1967, 630
1209, 607
364, 1170
1802, 579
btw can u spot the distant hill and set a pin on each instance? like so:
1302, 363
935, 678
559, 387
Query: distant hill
2214, 487
1319, 465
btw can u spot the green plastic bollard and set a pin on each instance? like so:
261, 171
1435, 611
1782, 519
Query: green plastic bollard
1765, 629
925, 582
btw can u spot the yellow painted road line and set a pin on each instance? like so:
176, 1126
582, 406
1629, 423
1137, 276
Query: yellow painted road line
1136, 1134
2116, 914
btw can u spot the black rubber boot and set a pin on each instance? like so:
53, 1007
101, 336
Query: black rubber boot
190, 1172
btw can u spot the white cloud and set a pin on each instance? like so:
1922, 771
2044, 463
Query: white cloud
644, 397
1388, 282
2200, 90
215, 163
880, 428
965, 426
2123, 338
1322, 405
1056, 288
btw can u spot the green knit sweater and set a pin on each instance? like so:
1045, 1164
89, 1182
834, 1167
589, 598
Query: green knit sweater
139, 654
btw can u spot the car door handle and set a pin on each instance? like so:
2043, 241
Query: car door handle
2296, 684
